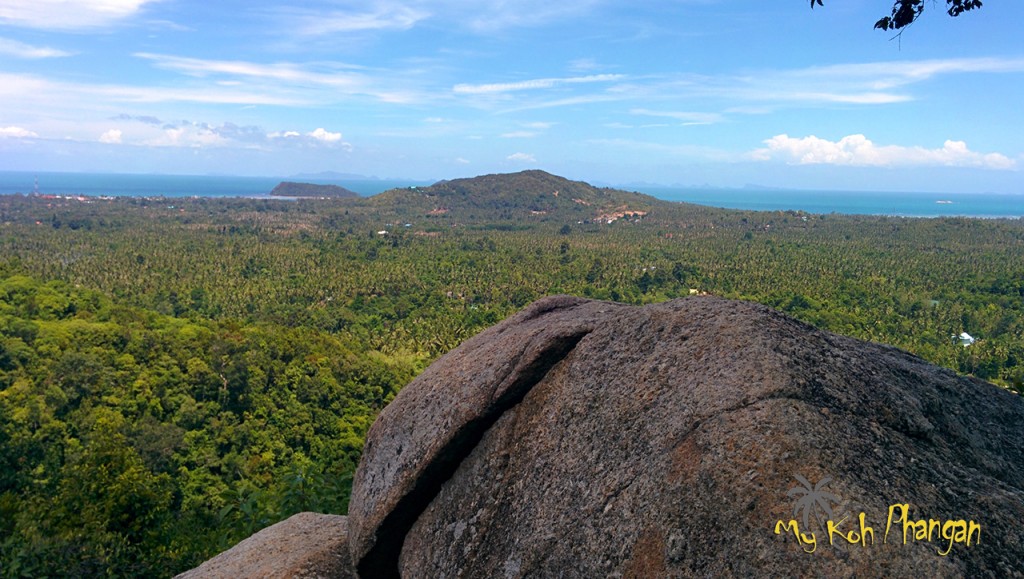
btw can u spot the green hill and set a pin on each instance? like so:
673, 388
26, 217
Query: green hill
520, 196
292, 189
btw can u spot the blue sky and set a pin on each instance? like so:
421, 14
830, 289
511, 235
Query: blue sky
687, 92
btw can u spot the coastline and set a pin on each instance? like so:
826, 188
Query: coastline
891, 204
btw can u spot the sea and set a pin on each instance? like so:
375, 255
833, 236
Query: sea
905, 204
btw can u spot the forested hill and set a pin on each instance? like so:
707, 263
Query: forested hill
292, 189
518, 195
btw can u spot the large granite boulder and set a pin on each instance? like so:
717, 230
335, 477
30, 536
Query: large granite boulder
304, 546
589, 439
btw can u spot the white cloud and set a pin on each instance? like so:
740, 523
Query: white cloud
17, 133
325, 136
858, 150
22, 50
67, 14
319, 136
461, 161
113, 136
533, 84
522, 157
195, 135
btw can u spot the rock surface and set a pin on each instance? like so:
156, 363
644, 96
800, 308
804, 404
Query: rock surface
588, 439
305, 546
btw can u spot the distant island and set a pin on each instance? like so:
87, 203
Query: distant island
292, 189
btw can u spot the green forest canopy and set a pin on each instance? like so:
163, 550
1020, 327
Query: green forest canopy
176, 374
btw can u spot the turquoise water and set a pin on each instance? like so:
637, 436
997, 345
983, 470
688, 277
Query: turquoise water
855, 202
851, 202
98, 184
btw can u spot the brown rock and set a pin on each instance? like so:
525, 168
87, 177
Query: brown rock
307, 545
418, 441
587, 439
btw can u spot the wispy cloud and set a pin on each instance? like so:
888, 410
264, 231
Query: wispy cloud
532, 84
278, 71
340, 79
383, 16
489, 15
886, 75
149, 120
584, 65
673, 150
22, 50
31, 92
68, 15
585, 99
529, 130
685, 117
752, 92
872, 83
858, 150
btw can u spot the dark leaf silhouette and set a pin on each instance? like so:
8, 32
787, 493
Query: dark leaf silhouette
905, 12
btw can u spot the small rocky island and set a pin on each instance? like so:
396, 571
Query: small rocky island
293, 189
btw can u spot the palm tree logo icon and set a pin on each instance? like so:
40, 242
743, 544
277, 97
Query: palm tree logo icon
812, 499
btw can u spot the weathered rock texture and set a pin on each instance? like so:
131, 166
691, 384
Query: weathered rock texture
588, 439
305, 546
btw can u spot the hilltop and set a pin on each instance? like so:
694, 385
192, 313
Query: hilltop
293, 189
521, 196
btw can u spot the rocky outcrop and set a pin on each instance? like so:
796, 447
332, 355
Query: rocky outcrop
699, 437
305, 546
587, 439
446, 411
